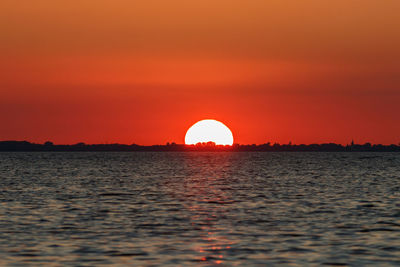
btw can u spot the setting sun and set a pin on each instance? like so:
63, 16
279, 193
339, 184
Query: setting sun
209, 131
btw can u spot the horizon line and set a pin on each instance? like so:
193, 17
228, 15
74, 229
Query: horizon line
200, 143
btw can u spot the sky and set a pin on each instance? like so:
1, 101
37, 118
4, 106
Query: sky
143, 72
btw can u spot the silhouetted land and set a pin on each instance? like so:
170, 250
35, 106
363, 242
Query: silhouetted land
328, 147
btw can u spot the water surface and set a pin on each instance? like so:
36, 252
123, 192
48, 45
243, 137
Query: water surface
200, 209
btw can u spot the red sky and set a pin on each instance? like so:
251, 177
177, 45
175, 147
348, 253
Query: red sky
279, 71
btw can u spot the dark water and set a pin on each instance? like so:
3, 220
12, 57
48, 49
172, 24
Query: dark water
200, 209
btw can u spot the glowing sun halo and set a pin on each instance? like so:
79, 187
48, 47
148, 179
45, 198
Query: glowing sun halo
209, 131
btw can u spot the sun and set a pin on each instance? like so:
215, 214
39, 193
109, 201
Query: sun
209, 131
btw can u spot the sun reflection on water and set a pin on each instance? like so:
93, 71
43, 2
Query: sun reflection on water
208, 204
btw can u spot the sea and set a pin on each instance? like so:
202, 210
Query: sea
199, 209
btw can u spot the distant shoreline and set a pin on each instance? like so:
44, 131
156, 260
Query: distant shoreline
25, 146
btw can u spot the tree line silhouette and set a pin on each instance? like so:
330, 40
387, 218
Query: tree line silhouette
210, 146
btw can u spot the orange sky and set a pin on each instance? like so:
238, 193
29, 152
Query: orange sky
120, 71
